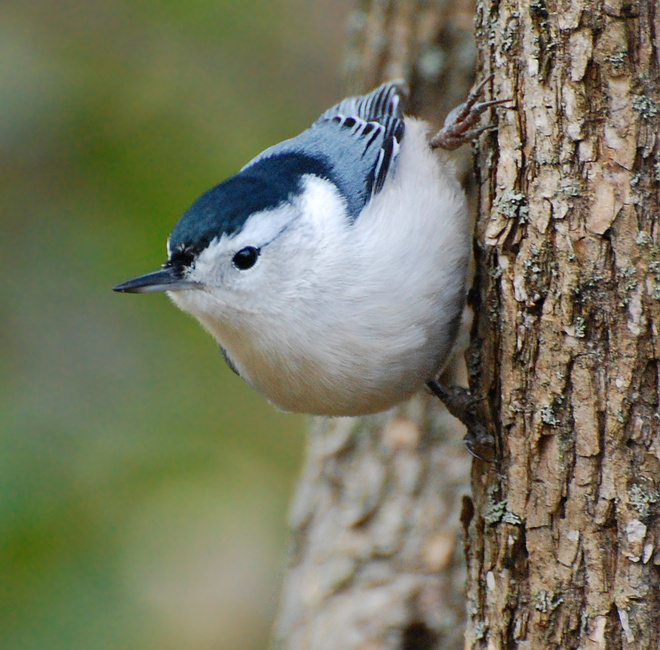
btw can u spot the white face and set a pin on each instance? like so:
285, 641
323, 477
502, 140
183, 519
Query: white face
290, 243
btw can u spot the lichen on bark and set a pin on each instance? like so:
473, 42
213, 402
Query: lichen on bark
564, 545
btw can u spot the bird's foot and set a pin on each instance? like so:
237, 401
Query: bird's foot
460, 125
461, 404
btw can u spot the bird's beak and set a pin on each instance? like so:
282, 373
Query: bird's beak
167, 279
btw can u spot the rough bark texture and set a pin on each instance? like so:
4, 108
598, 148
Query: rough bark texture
564, 545
376, 558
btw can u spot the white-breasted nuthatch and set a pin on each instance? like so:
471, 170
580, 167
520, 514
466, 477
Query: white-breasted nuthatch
331, 269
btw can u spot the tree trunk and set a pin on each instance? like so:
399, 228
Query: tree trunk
563, 548
376, 559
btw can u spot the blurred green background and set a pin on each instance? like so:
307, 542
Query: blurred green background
143, 487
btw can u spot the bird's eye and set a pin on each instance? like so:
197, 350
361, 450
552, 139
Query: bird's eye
246, 258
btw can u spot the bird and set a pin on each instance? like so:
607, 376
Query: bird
331, 269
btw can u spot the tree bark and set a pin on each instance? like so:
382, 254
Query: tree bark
376, 558
563, 548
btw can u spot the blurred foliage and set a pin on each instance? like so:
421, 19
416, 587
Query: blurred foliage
143, 487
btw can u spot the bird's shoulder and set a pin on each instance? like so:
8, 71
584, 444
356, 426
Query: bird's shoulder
356, 142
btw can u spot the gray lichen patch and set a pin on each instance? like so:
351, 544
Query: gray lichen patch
513, 205
645, 106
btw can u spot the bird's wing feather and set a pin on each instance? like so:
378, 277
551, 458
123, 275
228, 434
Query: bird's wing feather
358, 140
375, 122
382, 103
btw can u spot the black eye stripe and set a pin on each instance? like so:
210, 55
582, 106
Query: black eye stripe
246, 258
181, 259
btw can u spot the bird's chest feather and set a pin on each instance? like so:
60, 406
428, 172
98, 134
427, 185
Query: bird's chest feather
279, 360
305, 360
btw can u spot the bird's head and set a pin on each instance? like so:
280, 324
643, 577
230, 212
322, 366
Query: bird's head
252, 242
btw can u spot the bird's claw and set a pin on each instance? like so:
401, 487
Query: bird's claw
461, 404
460, 125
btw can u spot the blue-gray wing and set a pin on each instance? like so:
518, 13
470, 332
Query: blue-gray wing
357, 142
